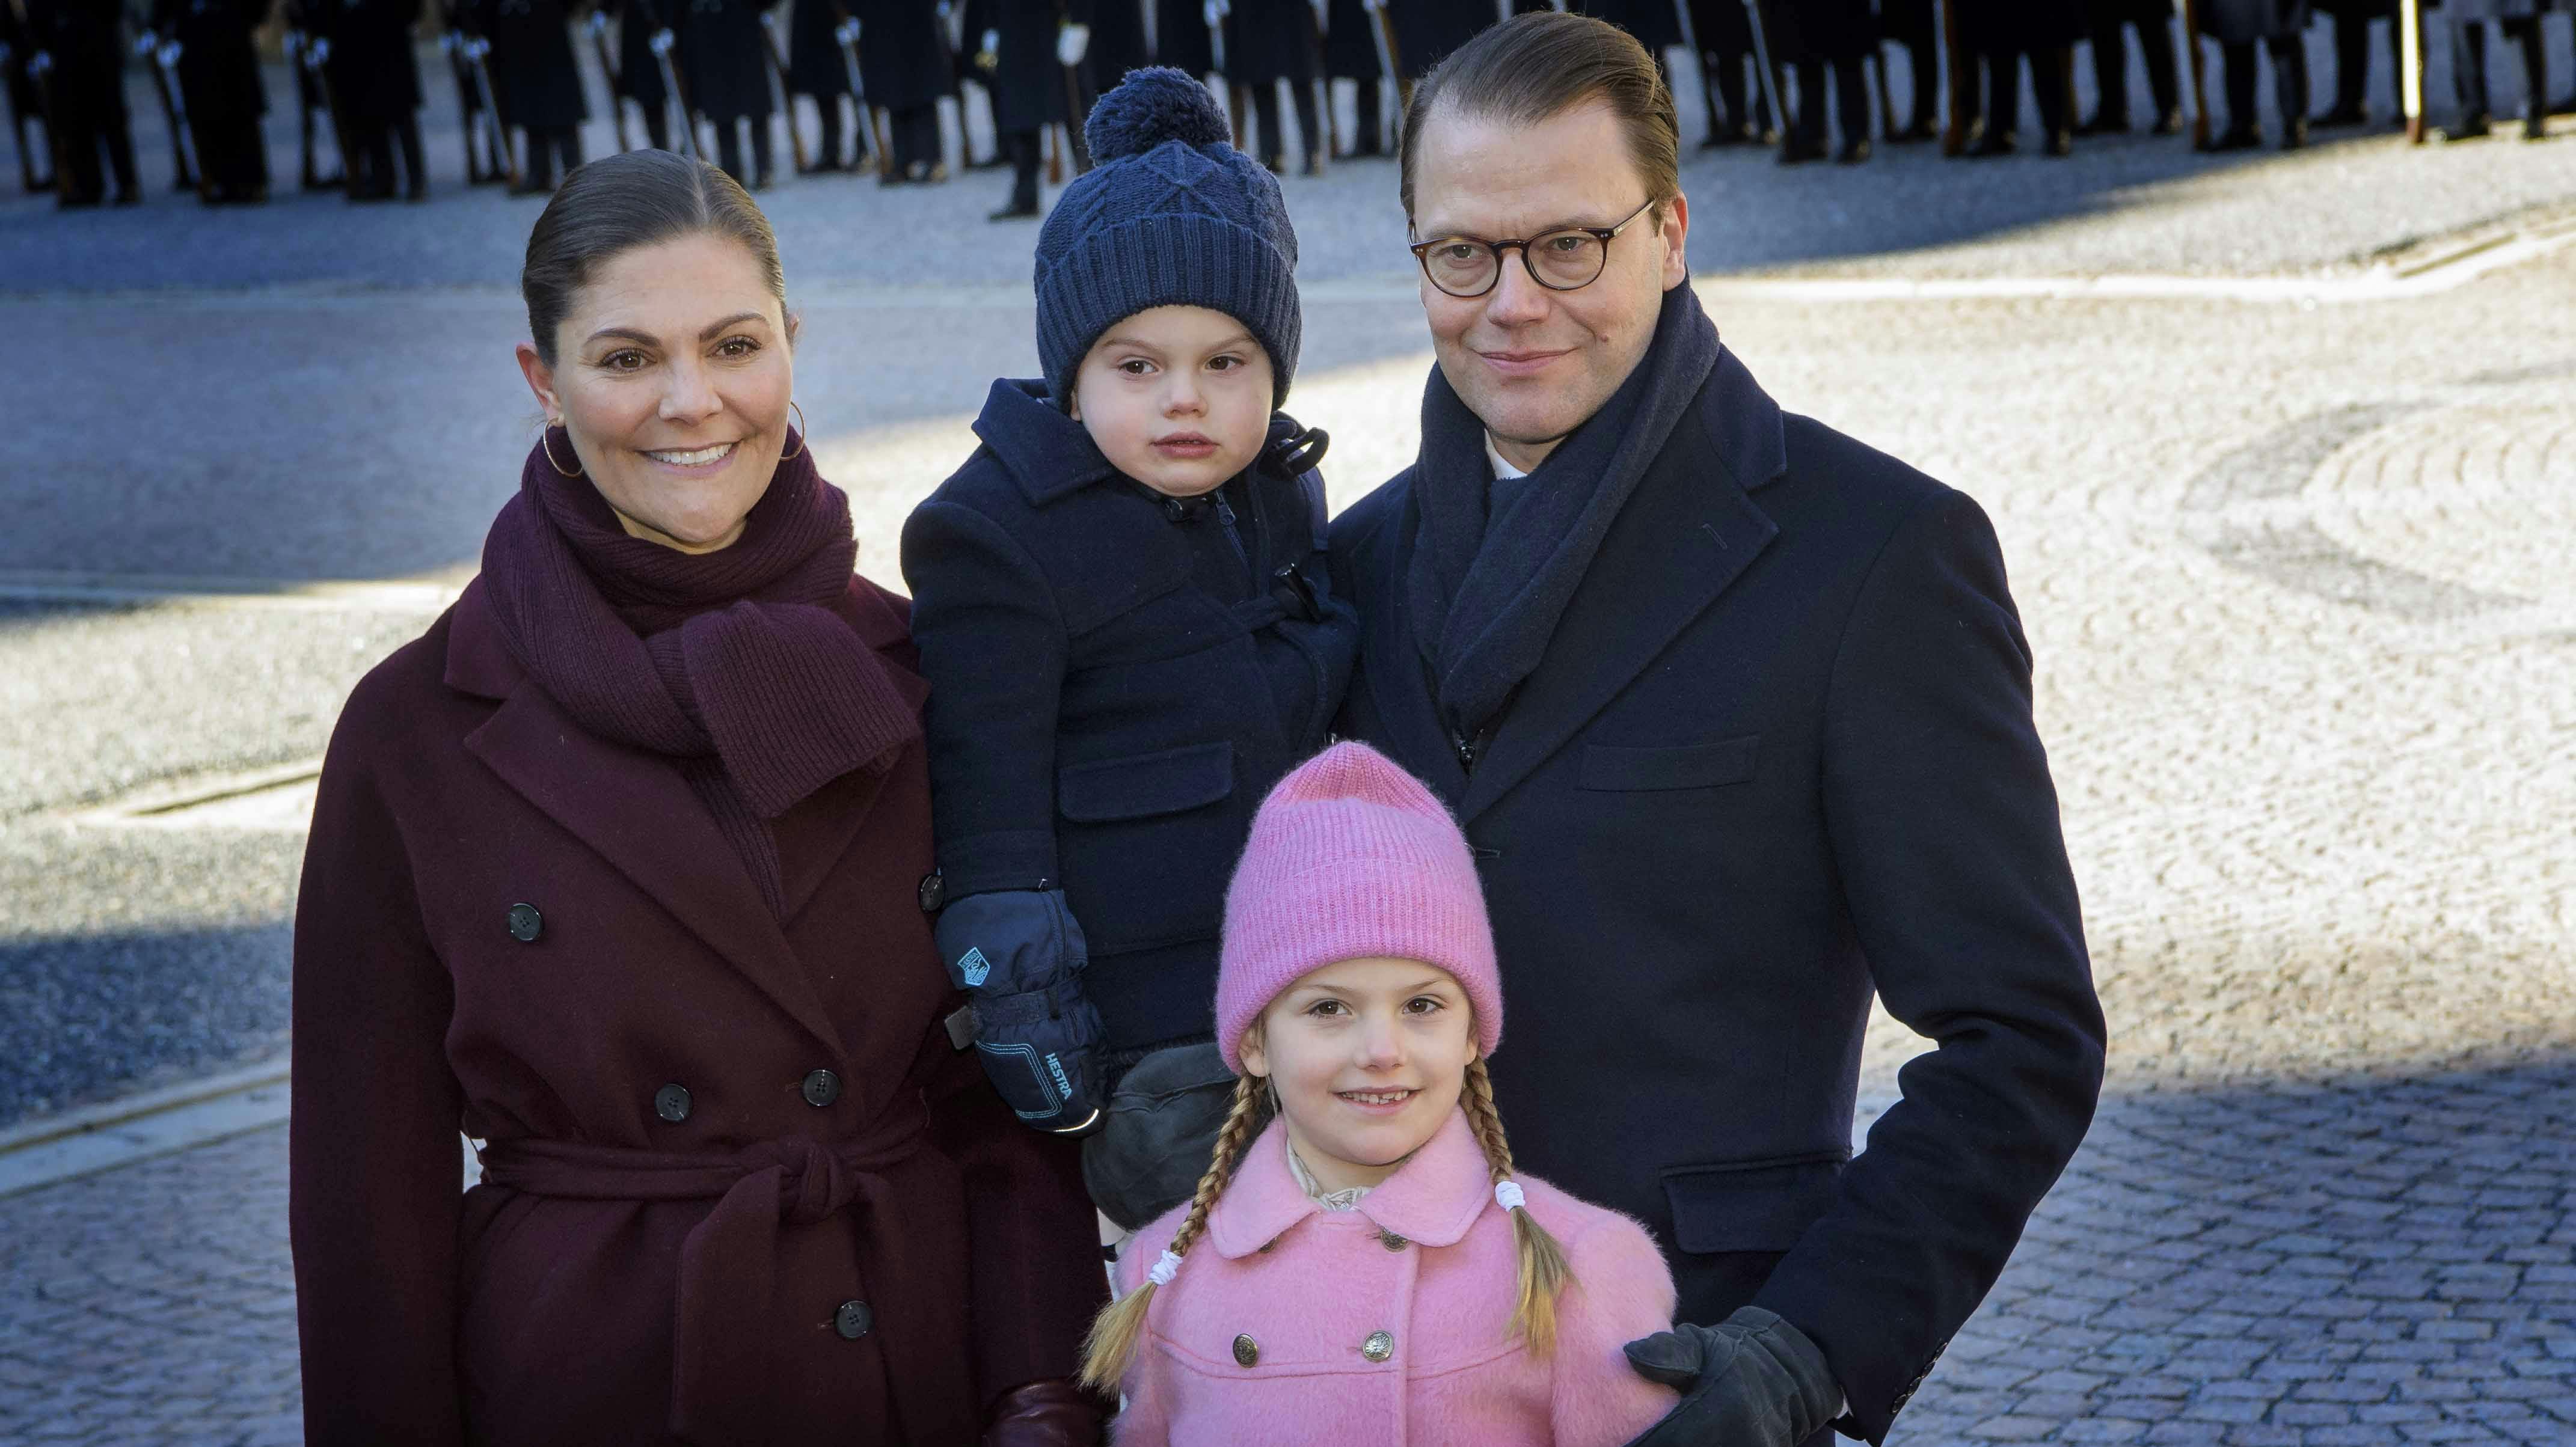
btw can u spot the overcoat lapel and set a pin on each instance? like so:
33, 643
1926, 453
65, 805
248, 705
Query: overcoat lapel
635, 811
1689, 531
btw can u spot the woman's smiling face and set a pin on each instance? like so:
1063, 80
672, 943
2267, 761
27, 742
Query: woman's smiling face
672, 373
1368, 1057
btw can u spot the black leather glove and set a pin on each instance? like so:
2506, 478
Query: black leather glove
1053, 1413
1752, 1380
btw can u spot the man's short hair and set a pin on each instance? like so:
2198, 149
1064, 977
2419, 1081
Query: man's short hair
1535, 67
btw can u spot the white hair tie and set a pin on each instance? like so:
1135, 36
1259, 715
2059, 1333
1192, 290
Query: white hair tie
1161, 1275
1507, 1194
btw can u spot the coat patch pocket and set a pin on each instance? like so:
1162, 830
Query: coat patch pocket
1146, 785
1752, 1206
1689, 766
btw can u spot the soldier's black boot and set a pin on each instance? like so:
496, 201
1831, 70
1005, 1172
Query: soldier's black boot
1023, 148
2469, 84
2243, 133
2290, 89
2110, 83
2535, 77
2003, 107
2352, 75
415, 172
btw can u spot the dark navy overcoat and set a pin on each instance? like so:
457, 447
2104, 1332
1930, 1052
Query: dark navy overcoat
1114, 687
1778, 754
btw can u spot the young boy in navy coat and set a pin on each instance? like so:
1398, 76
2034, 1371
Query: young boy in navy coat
1122, 605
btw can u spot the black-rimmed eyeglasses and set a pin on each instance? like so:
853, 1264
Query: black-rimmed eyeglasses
1566, 259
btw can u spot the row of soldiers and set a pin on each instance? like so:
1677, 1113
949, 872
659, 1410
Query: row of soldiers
1994, 40
356, 74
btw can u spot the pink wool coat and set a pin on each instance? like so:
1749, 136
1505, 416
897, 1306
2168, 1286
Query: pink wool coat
1428, 1259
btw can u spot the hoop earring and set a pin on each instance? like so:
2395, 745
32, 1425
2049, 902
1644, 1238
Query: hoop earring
546, 440
800, 431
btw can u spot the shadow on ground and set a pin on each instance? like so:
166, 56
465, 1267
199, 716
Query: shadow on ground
87, 1017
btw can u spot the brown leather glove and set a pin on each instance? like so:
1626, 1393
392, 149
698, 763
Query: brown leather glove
1056, 1412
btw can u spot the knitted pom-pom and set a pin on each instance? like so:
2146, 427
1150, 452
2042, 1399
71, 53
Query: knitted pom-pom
1149, 107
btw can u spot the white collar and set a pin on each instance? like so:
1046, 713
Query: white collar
1503, 471
1345, 1199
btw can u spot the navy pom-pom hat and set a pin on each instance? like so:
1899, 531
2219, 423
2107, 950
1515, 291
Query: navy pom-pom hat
1171, 214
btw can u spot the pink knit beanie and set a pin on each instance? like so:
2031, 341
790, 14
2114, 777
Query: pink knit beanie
1352, 858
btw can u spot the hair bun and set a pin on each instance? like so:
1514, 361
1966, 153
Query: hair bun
1149, 107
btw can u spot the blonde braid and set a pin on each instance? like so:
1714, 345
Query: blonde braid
1544, 1270
1111, 1346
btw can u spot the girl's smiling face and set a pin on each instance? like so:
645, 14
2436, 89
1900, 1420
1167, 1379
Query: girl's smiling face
1368, 1057
1176, 397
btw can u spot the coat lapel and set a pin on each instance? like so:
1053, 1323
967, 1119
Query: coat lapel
1689, 532
634, 810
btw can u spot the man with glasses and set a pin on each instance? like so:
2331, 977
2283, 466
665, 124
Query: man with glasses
1736, 715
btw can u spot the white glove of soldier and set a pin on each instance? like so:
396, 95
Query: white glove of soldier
662, 42
145, 44
170, 53
1071, 44
847, 32
1214, 10
319, 52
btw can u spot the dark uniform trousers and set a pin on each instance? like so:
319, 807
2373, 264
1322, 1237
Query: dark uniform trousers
87, 43
2111, 59
2469, 67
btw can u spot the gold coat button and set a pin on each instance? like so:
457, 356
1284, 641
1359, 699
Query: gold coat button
1247, 1351
1391, 1241
1377, 1348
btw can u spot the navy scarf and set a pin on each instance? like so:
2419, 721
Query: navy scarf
1486, 593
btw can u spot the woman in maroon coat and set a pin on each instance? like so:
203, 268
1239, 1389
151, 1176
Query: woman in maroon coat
618, 870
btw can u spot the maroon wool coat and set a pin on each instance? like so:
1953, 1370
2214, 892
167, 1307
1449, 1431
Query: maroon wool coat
625, 1304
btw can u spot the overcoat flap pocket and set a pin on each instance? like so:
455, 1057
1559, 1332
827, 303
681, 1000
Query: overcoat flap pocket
1147, 784
1750, 1206
1689, 766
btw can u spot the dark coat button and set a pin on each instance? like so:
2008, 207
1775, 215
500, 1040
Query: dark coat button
671, 1103
853, 1320
822, 1087
525, 923
934, 892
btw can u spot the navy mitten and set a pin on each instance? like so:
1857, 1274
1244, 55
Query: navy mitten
1019, 955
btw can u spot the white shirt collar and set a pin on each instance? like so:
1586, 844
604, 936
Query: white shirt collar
1503, 471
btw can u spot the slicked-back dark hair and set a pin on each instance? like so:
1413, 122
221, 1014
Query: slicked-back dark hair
1535, 67
617, 203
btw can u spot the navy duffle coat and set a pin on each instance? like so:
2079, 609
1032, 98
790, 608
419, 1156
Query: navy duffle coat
1114, 687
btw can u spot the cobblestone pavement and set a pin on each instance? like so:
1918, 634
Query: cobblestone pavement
2295, 577
153, 1304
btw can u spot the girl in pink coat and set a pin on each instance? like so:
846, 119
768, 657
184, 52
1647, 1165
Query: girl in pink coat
1366, 1267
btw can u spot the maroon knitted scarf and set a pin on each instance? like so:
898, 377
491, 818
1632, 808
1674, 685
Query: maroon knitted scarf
734, 663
